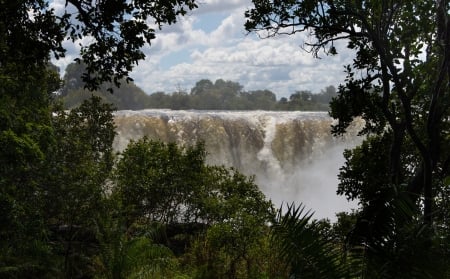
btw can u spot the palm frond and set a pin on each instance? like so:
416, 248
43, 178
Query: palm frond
300, 245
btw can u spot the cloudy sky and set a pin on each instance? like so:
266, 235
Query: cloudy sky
211, 43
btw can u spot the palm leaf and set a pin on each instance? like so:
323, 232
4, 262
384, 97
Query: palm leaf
306, 252
397, 243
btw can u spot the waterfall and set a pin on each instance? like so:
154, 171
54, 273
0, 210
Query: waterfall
293, 155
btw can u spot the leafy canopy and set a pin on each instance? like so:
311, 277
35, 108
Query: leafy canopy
398, 83
111, 33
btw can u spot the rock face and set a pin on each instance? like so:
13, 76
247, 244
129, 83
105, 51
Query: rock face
292, 154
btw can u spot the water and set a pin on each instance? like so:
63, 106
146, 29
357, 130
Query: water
292, 154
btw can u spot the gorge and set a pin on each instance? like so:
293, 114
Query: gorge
293, 155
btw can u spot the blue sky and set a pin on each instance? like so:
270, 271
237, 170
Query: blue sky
211, 43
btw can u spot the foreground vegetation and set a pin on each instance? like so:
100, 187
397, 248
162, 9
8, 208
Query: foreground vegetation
154, 211
398, 82
158, 211
71, 208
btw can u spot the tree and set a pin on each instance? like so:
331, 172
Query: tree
73, 77
399, 84
30, 32
219, 95
136, 257
76, 177
259, 99
395, 89
159, 100
328, 94
301, 99
72, 94
155, 181
202, 87
305, 251
171, 185
25, 139
237, 214
119, 29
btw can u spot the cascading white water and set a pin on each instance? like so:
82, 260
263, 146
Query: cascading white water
292, 154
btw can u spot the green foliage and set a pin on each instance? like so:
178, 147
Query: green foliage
81, 158
221, 95
235, 243
138, 257
360, 176
25, 138
392, 240
29, 32
156, 180
119, 29
171, 184
64, 215
127, 96
305, 252
77, 171
228, 192
62, 212
398, 84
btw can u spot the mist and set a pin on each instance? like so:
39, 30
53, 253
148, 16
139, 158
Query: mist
293, 155
312, 184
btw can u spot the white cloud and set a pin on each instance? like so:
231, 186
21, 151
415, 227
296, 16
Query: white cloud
58, 5
230, 30
208, 6
277, 64
186, 52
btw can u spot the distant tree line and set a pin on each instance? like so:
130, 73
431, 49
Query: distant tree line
205, 95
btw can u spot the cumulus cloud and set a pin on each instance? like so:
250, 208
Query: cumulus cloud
227, 52
58, 6
208, 6
190, 50
279, 65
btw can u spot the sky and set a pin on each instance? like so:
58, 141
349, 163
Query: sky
211, 43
